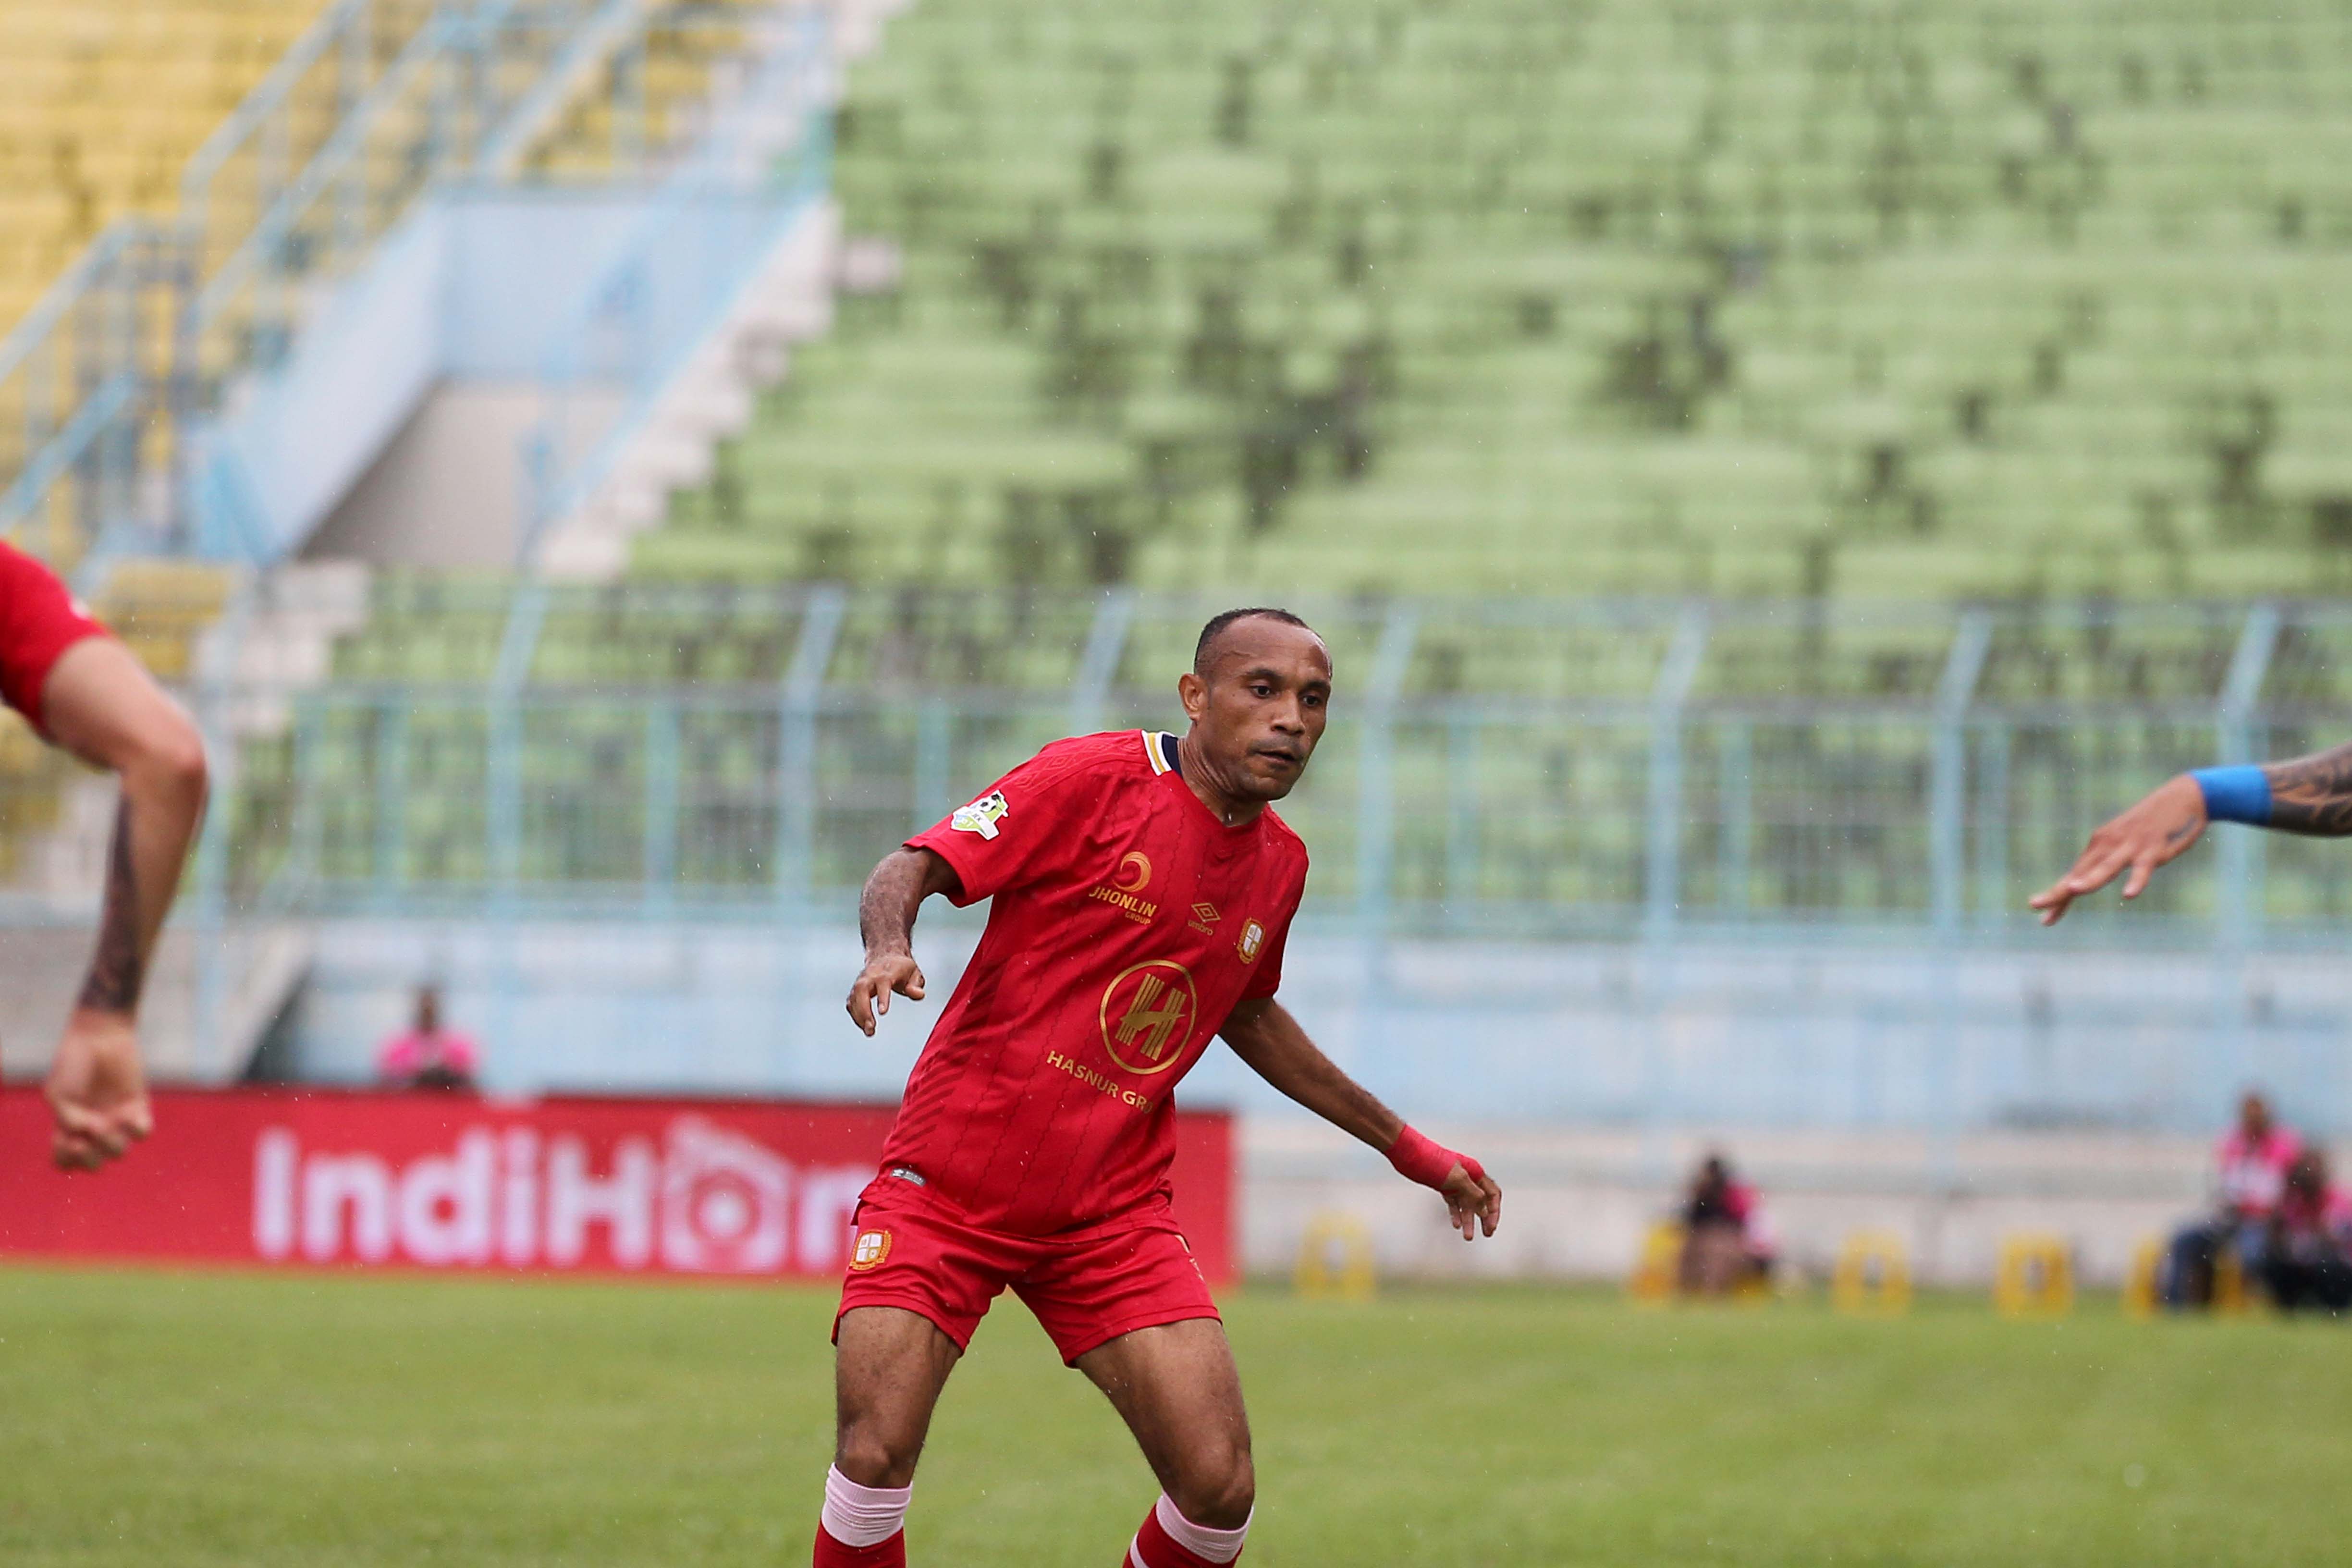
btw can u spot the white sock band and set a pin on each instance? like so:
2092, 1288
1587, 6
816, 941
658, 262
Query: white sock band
867, 1516
1216, 1546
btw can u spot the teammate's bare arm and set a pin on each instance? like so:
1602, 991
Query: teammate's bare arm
2308, 795
886, 919
1262, 1033
101, 705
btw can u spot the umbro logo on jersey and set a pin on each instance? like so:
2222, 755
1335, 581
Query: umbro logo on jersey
982, 816
1204, 915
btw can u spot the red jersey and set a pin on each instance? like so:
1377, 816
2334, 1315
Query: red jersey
1127, 921
38, 621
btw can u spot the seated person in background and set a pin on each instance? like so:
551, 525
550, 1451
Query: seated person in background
2308, 1254
428, 1056
1726, 1241
2254, 1157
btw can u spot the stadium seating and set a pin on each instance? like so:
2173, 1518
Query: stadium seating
1977, 299
100, 107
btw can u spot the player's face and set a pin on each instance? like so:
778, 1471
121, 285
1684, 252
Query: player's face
1258, 714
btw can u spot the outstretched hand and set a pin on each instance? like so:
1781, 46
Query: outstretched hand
869, 994
2158, 829
97, 1091
1472, 1201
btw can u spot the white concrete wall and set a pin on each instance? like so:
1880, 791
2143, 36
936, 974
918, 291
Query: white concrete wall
447, 490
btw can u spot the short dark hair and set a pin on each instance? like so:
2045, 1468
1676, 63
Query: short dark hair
1218, 622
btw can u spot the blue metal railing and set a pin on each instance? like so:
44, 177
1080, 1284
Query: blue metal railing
756, 169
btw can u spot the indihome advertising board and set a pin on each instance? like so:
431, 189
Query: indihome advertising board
322, 1179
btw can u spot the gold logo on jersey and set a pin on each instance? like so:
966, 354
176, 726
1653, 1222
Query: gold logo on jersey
1204, 915
1134, 875
982, 816
873, 1246
1252, 941
1147, 1015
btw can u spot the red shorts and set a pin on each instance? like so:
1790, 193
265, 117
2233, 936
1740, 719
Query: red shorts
1087, 1286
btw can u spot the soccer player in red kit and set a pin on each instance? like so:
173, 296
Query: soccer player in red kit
85, 692
1142, 895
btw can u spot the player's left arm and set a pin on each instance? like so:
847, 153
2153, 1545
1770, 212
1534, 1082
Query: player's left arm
1263, 1034
2310, 795
101, 704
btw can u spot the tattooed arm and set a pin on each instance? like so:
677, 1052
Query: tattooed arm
2311, 795
104, 708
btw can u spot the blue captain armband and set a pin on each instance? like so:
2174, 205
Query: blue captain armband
2240, 793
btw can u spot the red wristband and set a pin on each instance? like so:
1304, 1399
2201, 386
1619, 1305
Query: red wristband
1423, 1159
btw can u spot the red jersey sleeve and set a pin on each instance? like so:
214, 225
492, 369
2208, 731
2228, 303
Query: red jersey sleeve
38, 621
1020, 829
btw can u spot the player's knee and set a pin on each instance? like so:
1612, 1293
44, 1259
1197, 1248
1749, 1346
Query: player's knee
1218, 1488
874, 1458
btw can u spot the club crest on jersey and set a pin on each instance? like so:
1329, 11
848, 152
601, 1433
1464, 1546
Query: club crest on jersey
1147, 1015
982, 816
1251, 942
873, 1246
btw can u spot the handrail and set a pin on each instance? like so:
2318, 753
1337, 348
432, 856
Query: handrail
325, 165
714, 168
272, 90
60, 297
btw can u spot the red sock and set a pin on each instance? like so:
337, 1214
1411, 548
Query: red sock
1154, 1548
831, 1554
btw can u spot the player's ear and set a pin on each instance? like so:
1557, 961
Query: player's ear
1193, 693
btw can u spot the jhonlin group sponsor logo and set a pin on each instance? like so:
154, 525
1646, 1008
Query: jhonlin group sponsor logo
703, 1199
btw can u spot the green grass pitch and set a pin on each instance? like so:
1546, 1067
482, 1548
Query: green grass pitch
168, 1420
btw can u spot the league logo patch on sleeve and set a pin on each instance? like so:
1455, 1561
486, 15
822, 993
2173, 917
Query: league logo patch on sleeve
982, 816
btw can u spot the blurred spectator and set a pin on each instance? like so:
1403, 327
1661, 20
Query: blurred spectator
428, 1056
2254, 1157
1726, 1241
2308, 1258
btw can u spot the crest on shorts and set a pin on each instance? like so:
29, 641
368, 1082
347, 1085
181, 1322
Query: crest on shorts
873, 1246
982, 816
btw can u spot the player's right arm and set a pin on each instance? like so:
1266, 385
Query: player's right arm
101, 704
886, 918
2310, 795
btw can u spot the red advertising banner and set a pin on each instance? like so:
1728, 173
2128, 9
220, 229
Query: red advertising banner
319, 1178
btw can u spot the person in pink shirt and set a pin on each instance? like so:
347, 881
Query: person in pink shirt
2307, 1254
2254, 1157
1727, 1241
428, 1056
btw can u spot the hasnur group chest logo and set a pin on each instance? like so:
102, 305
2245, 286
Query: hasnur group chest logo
1147, 1015
982, 816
